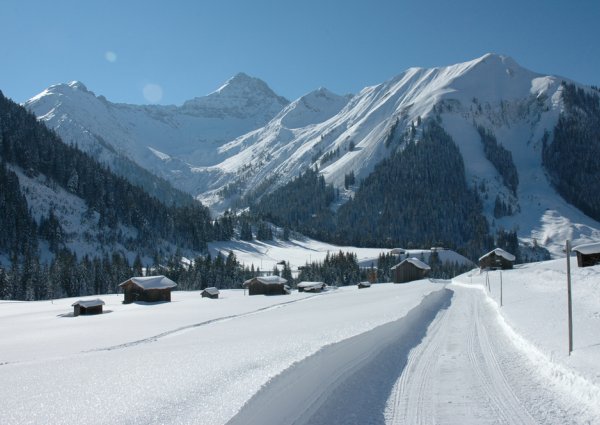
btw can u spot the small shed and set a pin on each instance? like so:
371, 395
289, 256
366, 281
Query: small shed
362, 285
211, 292
311, 286
149, 289
87, 307
267, 285
497, 259
409, 270
588, 254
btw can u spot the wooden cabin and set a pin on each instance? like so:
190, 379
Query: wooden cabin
87, 307
498, 259
409, 270
588, 254
363, 285
149, 289
311, 286
267, 285
211, 292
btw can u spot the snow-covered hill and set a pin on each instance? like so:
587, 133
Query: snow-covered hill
244, 137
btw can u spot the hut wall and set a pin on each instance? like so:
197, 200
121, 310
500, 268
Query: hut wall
134, 293
259, 288
407, 272
207, 295
76, 310
587, 260
494, 261
97, 309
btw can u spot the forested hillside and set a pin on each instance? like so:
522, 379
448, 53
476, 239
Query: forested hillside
417, 197
572, 157
121, 215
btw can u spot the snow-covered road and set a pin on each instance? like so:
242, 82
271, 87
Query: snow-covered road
449, 361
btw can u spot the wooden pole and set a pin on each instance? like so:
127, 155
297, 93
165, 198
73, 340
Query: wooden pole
569, 300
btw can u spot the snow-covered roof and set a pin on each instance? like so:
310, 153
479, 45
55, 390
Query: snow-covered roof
365, 283
500, 253
588, 248
212, 291
151, 282
415, 262
267, 280
310, 285
88, 303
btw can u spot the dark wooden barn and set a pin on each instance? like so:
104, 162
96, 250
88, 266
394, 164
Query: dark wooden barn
311, 286
87, 307
409, 270
148, 289
211, 292
363, 285
498, 259
267, 285
588, 254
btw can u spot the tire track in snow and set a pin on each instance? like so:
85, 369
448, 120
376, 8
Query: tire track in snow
172, 332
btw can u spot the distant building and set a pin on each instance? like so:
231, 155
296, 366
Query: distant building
409, 270
398, 251
497, 259
87, 307
267, 285
149, 289
311, 286
363, 285
211, 292
588, 254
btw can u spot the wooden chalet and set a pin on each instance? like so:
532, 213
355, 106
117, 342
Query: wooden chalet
588, 254
148, 289
363, 285
498, 259
409, 270
211, 292
311, 286
267, 285
87, 307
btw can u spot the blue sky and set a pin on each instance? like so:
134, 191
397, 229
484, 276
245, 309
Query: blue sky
181, 49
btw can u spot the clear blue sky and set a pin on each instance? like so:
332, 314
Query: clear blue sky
189, 48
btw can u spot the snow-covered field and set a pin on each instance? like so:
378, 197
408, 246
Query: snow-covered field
421, 352
265, 255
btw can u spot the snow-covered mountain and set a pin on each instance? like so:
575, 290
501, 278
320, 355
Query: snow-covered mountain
243, 136
162, 139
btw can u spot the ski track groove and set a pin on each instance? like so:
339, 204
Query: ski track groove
155, 338
420, 364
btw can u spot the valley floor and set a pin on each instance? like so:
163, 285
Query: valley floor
418, 353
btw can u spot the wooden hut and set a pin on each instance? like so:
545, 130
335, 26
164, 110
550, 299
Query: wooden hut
211, 292
267, 285
363, 285
87, 307
498, 259
409, 270
149, 289
588, 254
311, 286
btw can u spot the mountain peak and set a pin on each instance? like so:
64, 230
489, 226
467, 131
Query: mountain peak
77, 85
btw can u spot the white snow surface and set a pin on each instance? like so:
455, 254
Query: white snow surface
151, 282
590, 248
500, 253
420, 352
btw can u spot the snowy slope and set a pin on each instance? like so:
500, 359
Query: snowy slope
420, 352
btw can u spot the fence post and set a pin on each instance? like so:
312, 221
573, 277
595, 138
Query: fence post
569, 300
500, 288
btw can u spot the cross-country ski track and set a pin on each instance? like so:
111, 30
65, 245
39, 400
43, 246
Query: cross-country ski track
448, 361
